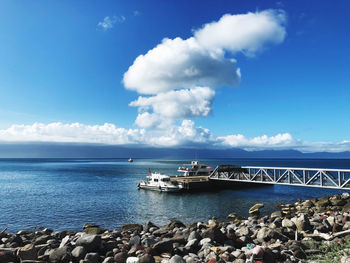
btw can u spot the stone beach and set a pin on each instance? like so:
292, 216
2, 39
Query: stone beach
298, 232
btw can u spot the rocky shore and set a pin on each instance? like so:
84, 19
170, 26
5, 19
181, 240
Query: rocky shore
307, 231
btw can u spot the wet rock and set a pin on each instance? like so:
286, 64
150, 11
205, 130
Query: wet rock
256, 208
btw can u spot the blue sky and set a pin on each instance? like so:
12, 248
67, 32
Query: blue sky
59, 65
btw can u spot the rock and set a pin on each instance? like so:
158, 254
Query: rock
78, 252
163, 246
120, 257
243, 231
147, 242
276, 214
149, 225
174, 223
288, 223
136, 240
92, 258
205, 241
263, 234
108, 260
147, 258
322, 202
59, 255
132, 227
7, 256
214, 234
256, 208
258, 251
94, 230
42, 239
132, 260
346, 207
90, 242
64, 241
28, 252
302, 223
176, 259
193, 235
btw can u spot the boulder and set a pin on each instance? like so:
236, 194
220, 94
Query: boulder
28, 252
288, 223
214, 234
90, 242
176, 259
302, 223
147, 258
256, 208
132, 227
108, 260
263, 234
92, 258
61, 255
78, 252
120, 257
174, 223
163, 246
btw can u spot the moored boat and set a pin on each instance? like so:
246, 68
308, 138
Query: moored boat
160, 182
195, 168
130, 160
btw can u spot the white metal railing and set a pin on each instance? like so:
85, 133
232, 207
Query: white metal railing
311, 177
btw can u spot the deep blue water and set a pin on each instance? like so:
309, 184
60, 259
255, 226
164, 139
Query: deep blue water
66, 193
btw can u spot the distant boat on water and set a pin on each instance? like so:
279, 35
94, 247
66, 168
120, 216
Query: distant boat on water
130, 160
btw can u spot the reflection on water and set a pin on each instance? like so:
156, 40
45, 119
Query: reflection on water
65, 194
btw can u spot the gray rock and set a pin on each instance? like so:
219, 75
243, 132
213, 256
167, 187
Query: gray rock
136, 240
205, 241
214, 234
193, 235
64, 241
120, 257
177, 259
59, 255
92, 257
147, 242
302, 223
132, 260
78, 252
90, 242
108, 260
28, 252
132, 227
147, 258
243, 231
288, 223
263, 234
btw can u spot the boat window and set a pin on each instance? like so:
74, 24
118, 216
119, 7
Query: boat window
156, 180
165, 179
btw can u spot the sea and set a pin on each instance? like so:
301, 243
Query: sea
64, 194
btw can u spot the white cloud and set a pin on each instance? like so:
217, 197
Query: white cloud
247, 33
177, 64
109, 22
178, 104
175, 68
185, 134
238, 140
73, 132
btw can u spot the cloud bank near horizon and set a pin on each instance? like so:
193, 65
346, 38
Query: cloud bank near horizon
185, 135
177, 78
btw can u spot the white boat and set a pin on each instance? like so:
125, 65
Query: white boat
195, 168
130, 160
160, 182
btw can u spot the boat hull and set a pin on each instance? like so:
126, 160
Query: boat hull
145, 186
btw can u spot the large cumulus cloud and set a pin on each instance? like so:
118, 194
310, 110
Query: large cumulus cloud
179, 66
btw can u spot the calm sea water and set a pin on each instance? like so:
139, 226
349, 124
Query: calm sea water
66, 193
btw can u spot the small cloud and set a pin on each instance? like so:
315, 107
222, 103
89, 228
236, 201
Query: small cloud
109, 22
136, 13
